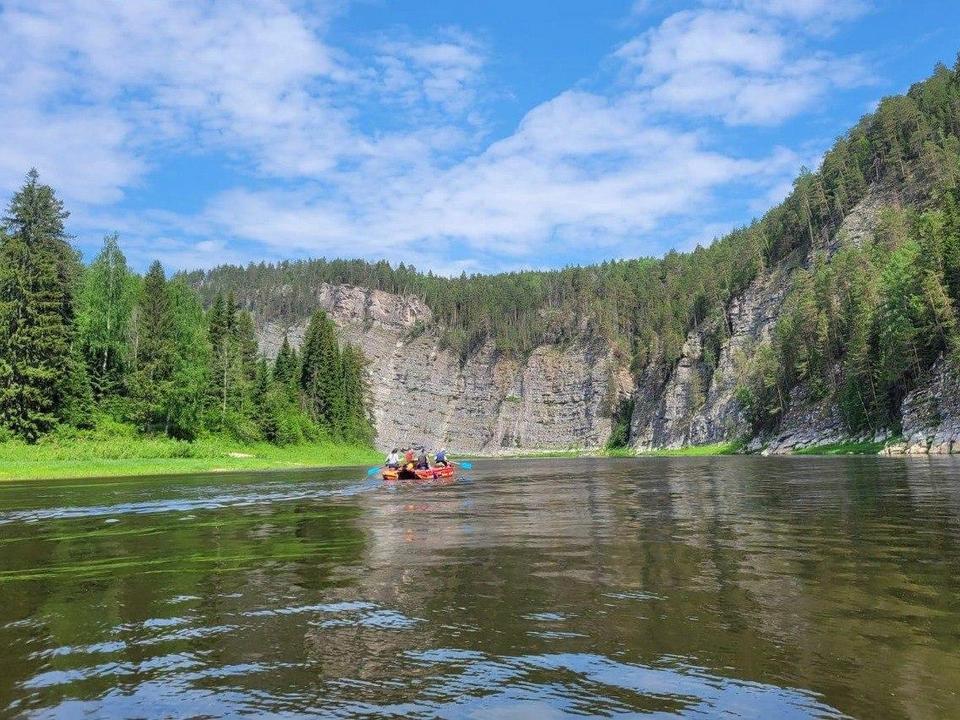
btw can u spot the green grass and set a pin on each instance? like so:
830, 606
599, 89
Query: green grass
844, 448
618, 452
100, 456
724, 448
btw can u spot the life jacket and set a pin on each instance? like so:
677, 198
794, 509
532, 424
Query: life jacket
409, 456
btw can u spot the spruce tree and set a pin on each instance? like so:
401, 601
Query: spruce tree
221, 319
154, 352
321, 379
233, 365
285, 366
39, 380
356, 426
186, 399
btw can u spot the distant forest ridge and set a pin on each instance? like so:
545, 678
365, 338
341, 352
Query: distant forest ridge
646, 307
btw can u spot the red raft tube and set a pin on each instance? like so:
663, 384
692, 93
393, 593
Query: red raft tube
434, 473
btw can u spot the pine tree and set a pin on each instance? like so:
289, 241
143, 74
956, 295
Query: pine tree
39, 380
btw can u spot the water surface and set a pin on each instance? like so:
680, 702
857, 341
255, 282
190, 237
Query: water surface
651, 588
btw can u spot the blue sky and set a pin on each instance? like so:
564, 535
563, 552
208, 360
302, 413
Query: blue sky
477, 136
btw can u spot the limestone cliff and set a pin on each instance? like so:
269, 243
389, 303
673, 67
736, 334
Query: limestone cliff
555, 398
931, 415
695, 404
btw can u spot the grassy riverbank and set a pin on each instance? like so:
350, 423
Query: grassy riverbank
139, 455
724, 448
851, 447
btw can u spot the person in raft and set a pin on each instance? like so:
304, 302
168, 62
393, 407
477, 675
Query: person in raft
440, 458
393, 459
408, 458
423, 462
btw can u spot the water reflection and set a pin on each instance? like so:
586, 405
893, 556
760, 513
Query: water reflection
734, 587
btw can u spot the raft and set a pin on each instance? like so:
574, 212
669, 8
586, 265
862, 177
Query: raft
434, 473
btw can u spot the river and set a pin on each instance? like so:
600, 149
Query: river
656, 587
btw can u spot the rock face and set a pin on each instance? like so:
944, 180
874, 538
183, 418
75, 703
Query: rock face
808, 422
556, 398
931, 415
695, 403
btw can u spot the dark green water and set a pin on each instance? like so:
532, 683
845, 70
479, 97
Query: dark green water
715, 587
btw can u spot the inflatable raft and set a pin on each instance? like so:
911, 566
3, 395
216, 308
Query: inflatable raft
434, 473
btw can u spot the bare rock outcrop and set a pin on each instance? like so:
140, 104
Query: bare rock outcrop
696, 402
555, 398
931, 414
808, 422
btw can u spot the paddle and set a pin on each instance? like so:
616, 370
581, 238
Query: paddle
373, 471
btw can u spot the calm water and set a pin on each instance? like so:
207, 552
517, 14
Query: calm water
717, 587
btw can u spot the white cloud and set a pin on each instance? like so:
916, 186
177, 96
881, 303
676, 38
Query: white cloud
581, 170
818, 16
698, 38
443, 72
741, 66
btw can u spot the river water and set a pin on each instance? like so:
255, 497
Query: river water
661, 587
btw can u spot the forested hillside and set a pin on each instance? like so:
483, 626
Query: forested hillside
82, 346
863, 321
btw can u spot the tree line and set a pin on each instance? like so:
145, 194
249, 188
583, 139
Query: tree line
78, 343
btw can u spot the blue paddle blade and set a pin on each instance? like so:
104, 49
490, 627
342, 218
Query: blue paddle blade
465, 465
373, 471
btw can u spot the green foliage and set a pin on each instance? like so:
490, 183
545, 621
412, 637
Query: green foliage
620, 432
121, 450
191, 367
105, 300
333, 382
723, 448
320, 372
146, 352
154, 353
863, 327
286, 366
234, 362
845, 448
39, 378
